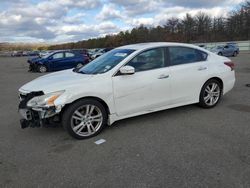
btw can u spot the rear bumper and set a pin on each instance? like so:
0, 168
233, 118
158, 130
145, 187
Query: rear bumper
229, 82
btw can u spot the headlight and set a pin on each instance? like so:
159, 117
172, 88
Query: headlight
46, 100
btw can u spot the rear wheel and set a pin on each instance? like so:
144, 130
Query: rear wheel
235, 54
220, 54
210, 93
84, 119
42, 69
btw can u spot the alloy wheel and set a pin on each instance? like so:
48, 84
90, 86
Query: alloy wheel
86, 120
212, 94
42, 69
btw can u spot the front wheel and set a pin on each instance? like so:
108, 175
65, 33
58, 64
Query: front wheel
42, 69
84, 118
210, 94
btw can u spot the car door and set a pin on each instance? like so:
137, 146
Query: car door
188, 72
145, 90
71, 60
57, 61
227, 50
231, 50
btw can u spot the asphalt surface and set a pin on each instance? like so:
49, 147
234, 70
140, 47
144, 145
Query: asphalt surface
182, 147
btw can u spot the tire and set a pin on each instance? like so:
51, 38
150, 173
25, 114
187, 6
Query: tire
42, 69
235, 54
84, 119
220, 54
210, 94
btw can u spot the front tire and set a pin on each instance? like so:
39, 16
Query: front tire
84, 118
210, 94
42, 69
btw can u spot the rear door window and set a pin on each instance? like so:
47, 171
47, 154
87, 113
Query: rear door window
58, 55
69, 54
184, 55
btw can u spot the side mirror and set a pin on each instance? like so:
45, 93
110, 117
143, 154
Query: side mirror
50, 57
127, 70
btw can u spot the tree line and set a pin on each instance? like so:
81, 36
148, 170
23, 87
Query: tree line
191, 29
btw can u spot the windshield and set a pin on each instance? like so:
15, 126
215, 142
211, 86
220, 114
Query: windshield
106, 62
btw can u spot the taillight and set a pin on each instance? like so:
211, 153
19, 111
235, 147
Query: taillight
230, 64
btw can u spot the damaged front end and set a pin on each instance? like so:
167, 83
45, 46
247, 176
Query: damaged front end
37, 108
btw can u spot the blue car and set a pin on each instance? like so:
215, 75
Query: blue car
56, 61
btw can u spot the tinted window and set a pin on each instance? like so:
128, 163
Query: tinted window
150, 59
68, 54
183, 55
58, 55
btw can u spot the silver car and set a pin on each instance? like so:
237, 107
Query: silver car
227, 50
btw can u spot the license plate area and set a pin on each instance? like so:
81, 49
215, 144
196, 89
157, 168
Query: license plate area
26, 114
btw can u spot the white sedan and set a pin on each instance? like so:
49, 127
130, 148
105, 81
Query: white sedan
125, 82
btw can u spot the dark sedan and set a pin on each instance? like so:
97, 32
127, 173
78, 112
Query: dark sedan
59, 60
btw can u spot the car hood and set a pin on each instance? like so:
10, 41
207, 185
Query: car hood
62, 80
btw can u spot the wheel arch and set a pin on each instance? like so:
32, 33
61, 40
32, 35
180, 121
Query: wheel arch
105, 105
214, 78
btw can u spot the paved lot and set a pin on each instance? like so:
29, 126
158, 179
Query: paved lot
181, 147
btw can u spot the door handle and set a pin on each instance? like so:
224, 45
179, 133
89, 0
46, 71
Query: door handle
163, 76
202, 68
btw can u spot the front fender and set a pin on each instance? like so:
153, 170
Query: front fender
73, 94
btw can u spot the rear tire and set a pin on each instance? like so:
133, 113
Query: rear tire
210, 94
84, 119
235, 54
220, 54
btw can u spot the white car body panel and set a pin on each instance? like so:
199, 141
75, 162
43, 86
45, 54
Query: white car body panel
140, 93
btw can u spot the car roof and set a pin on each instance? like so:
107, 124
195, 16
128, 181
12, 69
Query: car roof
141, 46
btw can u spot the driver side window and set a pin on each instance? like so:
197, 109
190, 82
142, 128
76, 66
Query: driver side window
150, 59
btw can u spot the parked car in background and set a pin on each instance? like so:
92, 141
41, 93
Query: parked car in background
17, 53
25, 53
226, 50
44, 53
100, 52
33, 53
85, 53
125, 82
92, 51
235, 45
56, 61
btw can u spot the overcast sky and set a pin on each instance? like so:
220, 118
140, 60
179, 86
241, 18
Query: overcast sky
57, 21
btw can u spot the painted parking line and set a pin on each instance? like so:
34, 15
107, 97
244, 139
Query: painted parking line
101, 141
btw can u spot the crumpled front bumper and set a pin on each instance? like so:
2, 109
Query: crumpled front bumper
34, 117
